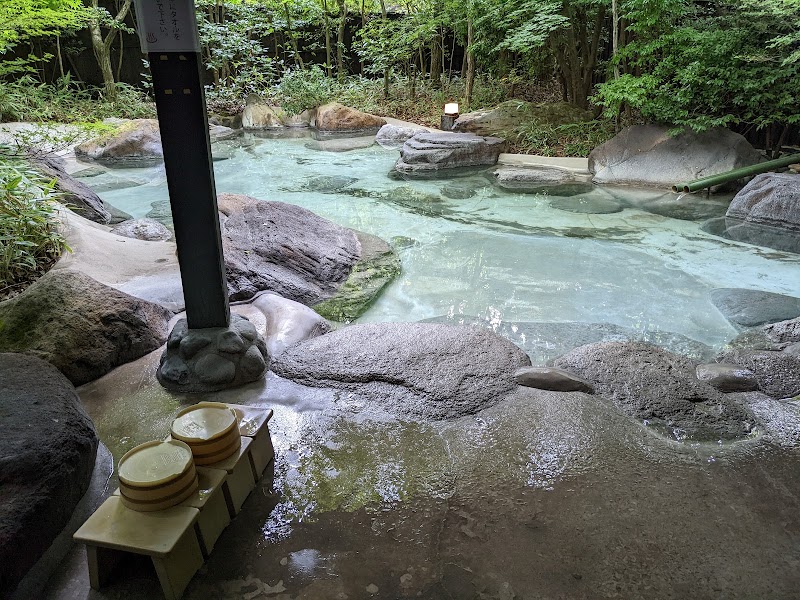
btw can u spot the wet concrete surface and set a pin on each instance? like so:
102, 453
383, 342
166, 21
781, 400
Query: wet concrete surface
545, 495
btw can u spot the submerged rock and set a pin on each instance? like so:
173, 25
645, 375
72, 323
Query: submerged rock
660, 389
76, 194
79, 325
337, 117
648, 155
433, 151
532, 179
777, 373
592, 204
749, 308
143, 229
414, 370
47, 454
771, 199
328, 184
377, 266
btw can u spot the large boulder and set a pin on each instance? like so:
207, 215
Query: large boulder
504, 118
47, 453
647, 155
284, 249
79, 325
660, 389
771, 199
337, 117
429, 152
76, 195
750, 308
135, 143
412, 369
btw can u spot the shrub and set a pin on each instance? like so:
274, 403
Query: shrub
30, 241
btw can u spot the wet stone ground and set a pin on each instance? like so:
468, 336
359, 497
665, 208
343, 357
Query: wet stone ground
543, 496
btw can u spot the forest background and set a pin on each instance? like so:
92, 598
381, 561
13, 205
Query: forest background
696, 63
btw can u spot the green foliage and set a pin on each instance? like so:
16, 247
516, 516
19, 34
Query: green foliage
565, 139
712, 64
29, 238
25, 19
300, 89
29, 100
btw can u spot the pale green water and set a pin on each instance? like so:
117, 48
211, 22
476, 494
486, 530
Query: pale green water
503, 258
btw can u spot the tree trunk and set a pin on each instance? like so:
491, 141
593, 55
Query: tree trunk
102, 47
470, 76
328, 49
340, 66
436, 61
60, 57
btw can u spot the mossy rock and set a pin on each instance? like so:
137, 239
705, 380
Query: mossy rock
506, 117
378, 266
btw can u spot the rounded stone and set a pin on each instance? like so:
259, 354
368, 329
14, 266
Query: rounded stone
193, 342
252, 364
214, 369
551, 378
143, 229
244, 327
174, 369
727, 377
231, 342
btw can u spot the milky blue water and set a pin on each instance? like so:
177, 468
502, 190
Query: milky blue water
505, 259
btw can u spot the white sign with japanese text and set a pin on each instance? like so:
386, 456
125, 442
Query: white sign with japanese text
167, 25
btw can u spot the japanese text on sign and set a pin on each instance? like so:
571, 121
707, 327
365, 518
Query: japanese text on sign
167, 26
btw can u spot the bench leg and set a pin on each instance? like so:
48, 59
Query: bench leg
102, 562
176, 570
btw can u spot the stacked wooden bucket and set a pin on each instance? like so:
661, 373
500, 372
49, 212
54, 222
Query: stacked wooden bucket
158, 475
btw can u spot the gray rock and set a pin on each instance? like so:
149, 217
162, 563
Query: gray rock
727, 377
771, 199
428, 151
777, 373
135, 143
659, 388
337, 117
647, 155
77, 195
458, 191
161, 211
394, 136
687, 207
378, 265
544, 342
212, 359
47, 454
590, 205
143, 229
782, 239
117, 215
215, 370
530, 179
749, 308
285, 249
341, 144
775, 336
414, 370
81, 326
551, 378
328, 184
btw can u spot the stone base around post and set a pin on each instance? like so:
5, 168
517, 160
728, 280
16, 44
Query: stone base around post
209, 360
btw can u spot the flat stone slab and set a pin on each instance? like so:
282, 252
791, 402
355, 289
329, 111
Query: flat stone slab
750, 308
47, 454
660, 389
553, 379
415, 370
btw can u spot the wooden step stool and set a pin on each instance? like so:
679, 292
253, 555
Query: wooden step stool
167, 536
209, 499
253, 423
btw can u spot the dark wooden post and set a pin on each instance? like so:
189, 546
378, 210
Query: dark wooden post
169, 35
